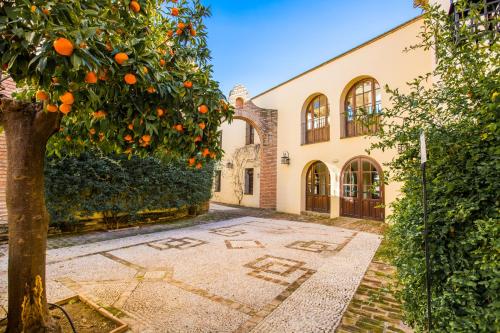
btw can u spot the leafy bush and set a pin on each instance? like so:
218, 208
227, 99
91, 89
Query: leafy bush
119, 187
460, 113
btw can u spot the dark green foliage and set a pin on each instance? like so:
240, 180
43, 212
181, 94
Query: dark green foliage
460, 113
96, 183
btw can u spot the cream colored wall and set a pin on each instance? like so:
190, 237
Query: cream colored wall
445, 4
383, 60
234, 137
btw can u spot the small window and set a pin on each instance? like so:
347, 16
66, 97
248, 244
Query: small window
217, 180
249, 181
239, 102
250, 135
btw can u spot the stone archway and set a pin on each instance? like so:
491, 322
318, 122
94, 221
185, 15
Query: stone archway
265, 122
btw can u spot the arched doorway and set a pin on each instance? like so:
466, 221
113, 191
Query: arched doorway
362, 189
318, 188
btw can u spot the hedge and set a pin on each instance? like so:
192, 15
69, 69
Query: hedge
119, 188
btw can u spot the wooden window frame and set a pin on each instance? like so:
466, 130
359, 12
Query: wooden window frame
356, 127
319, 130
249, 181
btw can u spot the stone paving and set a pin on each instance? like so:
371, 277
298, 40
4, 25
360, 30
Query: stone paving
238, 275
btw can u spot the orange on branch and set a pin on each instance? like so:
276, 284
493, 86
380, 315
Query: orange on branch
130, 126
203, 109
99, 114
179, 32
202, 125
181, 25
52, 108
160, 112
128, 137
199, 166
41, 95
92, 131
151, 90
67, 98
135, 6
192, 32
179, 128
197, 139
91, 78
65, 108
192, 161
121, 57
162, 62
174, 11
33, 9
188, 84
145, 70
46, 11
170, 33
130, 79
63, 47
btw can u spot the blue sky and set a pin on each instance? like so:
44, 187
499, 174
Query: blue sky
261, 43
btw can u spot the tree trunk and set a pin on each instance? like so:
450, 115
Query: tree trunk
27, 130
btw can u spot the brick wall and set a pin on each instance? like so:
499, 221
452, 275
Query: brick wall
265, 123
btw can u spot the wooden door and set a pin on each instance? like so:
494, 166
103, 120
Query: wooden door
318, 188
362, 190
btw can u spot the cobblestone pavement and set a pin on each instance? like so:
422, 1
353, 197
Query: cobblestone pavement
373, 307
238, 275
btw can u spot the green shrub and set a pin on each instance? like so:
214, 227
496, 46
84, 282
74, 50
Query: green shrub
114, 185
460, 115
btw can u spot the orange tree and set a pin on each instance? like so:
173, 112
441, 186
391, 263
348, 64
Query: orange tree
130, 77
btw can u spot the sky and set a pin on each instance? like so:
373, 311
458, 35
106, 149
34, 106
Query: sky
261, 43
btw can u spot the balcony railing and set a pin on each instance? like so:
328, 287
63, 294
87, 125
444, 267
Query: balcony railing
358, 126
485, 23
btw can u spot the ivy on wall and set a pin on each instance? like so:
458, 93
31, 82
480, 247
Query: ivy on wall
119, 188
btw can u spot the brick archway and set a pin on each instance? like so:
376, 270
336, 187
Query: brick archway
265, 122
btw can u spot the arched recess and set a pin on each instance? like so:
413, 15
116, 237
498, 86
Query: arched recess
317, 188
315, 119
265, 122
361, 94
362, 189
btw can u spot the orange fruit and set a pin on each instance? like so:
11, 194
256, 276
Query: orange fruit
188, 84
92, 131
46, 11
128, 137
100, 114
179, 127
202, 125
162, 62
206, 152
91, 78
192, 161
199, 166
134, 5
172, 52
213, 155
160, 112
51, 108
181, 25
192, 32
63, 47
151, 90
203, 109
68, 138
197, 139
174, 11
179, 31
170, 33
121, 57
130, 126
67, 98
145, 70
130, 79
41, 95
65, 108
33, 9
146, 138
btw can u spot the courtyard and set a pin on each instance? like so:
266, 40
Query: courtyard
237, 275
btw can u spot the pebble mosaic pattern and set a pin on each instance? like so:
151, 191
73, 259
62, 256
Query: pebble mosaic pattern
242, 275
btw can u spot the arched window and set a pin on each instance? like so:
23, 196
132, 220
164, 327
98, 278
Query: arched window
362, 108
239, 102
317, 120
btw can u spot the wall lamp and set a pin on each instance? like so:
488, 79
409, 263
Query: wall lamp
285, 159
